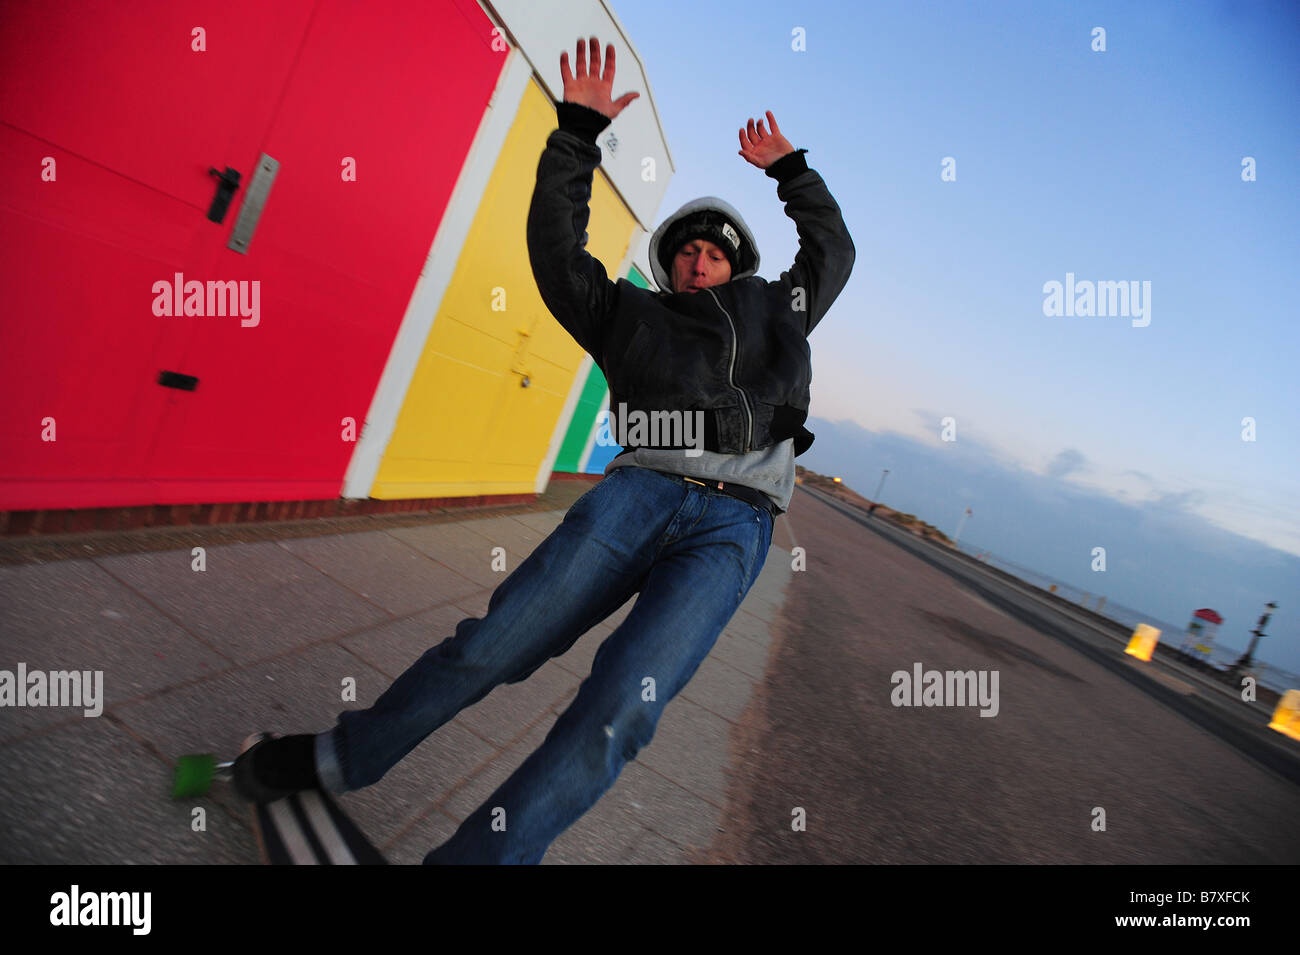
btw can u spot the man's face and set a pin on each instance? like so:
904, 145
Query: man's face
699, 264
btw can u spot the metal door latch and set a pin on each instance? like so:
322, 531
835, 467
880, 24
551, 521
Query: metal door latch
227, 183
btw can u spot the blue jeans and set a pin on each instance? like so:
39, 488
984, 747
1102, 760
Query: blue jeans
691, 551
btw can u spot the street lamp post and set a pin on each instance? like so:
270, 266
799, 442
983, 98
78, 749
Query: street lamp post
875, 501
960, 524
1248, 657
880, 486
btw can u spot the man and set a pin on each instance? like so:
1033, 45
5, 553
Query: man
686, 528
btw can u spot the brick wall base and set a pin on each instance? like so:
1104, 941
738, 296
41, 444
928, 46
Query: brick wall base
85, 520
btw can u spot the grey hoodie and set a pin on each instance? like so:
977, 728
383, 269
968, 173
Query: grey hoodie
713, 203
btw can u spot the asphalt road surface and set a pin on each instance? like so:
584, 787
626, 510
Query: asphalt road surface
1072, 745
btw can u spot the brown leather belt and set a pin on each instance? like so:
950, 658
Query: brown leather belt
746, 494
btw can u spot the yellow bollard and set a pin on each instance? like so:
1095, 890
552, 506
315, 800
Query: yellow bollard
1143, 642
1286, 718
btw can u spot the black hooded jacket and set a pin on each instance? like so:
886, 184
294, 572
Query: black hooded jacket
736, 351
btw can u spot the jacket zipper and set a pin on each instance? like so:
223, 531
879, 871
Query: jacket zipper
735, 346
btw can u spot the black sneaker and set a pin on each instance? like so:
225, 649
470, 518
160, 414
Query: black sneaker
270, 768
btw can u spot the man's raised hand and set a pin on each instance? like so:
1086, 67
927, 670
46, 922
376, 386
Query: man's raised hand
762, 147
588, 87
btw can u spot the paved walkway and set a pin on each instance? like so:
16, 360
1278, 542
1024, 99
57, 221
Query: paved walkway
792, 710
268, 635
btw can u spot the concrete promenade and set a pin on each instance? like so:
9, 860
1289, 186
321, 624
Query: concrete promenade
791, 711
265, 637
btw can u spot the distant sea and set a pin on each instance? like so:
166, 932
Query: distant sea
1171, 634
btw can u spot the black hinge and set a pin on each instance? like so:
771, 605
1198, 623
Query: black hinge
174, 379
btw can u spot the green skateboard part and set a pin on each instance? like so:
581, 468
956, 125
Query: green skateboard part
193, 776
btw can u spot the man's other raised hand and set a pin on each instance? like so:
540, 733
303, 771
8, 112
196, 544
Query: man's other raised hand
762, 147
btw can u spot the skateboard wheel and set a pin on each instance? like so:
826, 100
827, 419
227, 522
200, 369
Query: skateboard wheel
194, 774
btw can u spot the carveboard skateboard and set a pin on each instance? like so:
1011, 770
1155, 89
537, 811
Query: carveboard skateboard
306, 828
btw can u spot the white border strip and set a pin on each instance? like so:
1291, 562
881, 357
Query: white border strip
435, 277
590, 446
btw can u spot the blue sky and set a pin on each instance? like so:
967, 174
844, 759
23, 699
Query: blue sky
1123, 165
